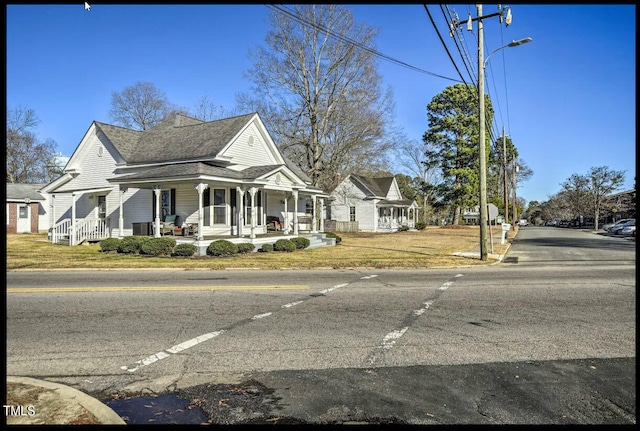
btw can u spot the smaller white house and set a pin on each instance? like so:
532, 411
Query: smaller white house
371, 204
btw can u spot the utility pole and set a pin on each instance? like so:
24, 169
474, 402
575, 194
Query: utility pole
515, 184
504, 170
483, 158
506, 15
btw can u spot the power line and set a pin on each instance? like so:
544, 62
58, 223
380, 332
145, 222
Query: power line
353, 42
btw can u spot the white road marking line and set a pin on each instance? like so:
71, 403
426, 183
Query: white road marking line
192, 342
390, 339
260, 316
423, 309
291, 304
458, 275
146, 361
337, 286
446, 285
367, 277
175, 349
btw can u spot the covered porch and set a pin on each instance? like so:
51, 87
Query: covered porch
394, 214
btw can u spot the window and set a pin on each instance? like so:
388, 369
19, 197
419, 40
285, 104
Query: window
352, 213
102, 207
23, 212
166, 203
219, 206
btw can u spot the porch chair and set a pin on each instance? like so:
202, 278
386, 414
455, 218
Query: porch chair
169, 225
274, 223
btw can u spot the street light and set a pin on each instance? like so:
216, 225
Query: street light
482, 63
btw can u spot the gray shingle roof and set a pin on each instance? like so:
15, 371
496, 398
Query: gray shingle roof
177, 138
194, 170
378, 186
19, 192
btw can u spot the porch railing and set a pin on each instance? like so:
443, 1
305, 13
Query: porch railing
85, 230
394, 224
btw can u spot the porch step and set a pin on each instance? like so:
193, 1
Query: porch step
320, 240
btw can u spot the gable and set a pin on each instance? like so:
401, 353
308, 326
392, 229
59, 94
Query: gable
394, 191
281, 180
348, 191
251, 147
89, 146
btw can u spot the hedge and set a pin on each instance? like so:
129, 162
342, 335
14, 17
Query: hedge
109, 244
184, 250
301, 242
284, 245
222, 247
246, 247
158, 246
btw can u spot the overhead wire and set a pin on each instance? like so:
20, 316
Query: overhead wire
451, 18
344, 38
460, 47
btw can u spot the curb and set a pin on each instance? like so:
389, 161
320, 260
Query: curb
101, 411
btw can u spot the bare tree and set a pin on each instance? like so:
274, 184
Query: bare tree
319, 93
206, 110
140, 106
602, 181
411, 155
27, 156
576, 192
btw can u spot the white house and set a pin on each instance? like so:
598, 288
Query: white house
376, 204
223, 178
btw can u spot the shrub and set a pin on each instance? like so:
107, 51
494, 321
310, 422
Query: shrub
333, 235
403, 228
284, 245
109, 244
129, 245
158, 246
246, 247
420, 225
222, 247
184, 250
266, 248
301, 242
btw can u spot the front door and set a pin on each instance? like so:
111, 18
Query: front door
24, 218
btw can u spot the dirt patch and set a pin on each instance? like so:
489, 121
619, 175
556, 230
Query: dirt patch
36, 405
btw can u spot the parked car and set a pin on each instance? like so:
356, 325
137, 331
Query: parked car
619, 226
608, 226
564, 223
628, 230
523, 222
551, 222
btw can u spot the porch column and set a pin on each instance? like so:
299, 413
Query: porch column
376, 216
157, 190
322, 215
313, 220
72, 234
295, 212
252, 192
286, 213
121, 218
52, 223
201, 187
240, 205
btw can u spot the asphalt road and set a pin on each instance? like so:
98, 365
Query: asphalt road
525, 342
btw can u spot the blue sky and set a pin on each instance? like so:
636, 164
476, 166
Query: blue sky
567, 99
